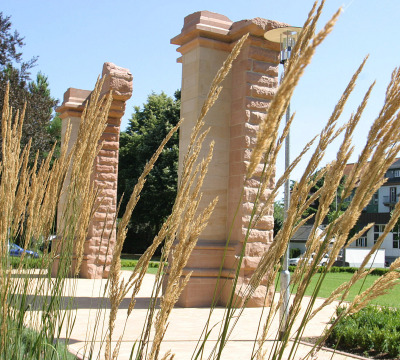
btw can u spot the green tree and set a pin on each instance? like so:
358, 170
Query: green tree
54, 131
278, 215
147, 128
335, 208
10, 43
36, 94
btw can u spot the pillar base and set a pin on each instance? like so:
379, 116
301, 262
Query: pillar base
200, 292
204, 264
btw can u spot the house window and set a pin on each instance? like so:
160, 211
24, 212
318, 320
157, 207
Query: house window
375, 199
378, 230
396, 240
396, 237
393, 194
361, 241
396, 173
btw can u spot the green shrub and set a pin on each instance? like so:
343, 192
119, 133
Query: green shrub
27, 262
351, 270
371, 329
30, 263
30, 344
132, 263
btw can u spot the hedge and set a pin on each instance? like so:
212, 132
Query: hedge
28, 263
31, 263
343, 269
371, 329
132, 263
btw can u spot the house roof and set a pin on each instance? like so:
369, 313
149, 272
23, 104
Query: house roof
349, 167
395, 165
302, 233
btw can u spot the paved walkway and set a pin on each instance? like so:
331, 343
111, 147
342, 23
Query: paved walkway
185, 326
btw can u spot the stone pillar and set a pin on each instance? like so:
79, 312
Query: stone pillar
101, 236
205, 42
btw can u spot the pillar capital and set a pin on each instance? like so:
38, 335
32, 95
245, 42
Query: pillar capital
73, 103
118, 80
217, 31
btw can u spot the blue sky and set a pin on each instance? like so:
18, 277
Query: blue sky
74, 38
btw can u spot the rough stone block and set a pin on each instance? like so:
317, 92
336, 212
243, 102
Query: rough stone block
257, 235
110, 137
256, 249
119, 80
108, 153
264, 223
109, 201
250, 262
256, 117
106, 168
110, 145
257, 104
258, 79
113, 129
251, 130
105, 160
266, 68
106, 176
103, 184
262, 92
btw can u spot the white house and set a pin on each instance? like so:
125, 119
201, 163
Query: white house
299, 238
378, 212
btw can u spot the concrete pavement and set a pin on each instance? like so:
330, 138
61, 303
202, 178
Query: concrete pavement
184, 330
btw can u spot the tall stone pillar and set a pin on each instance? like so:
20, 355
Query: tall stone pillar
99, 245
205, 42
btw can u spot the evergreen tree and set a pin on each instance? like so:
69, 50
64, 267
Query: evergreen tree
146, 130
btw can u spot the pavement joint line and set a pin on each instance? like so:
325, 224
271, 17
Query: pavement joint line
355, 356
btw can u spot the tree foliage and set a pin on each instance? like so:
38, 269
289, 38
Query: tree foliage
36, 93
10, 43
278, 215
335, 208
147, 128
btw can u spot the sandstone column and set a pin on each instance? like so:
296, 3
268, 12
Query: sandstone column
101, 237
205, 41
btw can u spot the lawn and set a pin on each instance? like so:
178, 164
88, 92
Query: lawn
150, 270
129, 261
333, 280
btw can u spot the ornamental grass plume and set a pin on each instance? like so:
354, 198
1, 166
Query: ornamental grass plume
29, 196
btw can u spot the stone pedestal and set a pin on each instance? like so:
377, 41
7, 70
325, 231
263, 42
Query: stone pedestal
101, 237
205, 42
